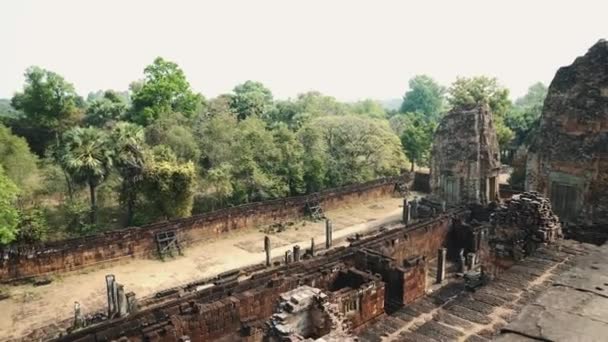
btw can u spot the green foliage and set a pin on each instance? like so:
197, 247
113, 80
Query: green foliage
417, 139
9, 216
86, 155
256, 157
50, 106
424, 96
369, 108
216, 138
307, 106
76, 215
169, 187
105, 110
7, 112
289, 164
174, 133
351, 149
525, 114
251, 99
470, 92
398, 123
127, 141
33, 225
165, 90
20, 165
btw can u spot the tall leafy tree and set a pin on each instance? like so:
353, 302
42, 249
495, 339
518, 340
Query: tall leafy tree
9, 216
109, 108
417, 139
128, 143
369, 108
168, 184
163, 91
469, 92
20, 165
86, 154
289, 167
50, 106
424, 96
525, 113
251, 99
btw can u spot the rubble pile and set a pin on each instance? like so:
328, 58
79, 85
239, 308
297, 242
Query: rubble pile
522, 224
531, 212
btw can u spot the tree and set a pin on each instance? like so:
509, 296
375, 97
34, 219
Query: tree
307, 106
165, 90
352, 149
251, 99
128, 144
169, 185
174, 132
524, 115
417, 139
9, 216
111, 107
470, 92
424, 96
20, 165
369, 108
86, 155
50, 106
289, 167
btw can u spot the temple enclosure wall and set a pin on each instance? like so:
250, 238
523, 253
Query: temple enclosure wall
32, 260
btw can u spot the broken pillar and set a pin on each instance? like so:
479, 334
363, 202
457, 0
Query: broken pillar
288, 257
79, 321
443, 206
267, 250
122, 301
414, 209
462, 265
296, 253
441, 255
470, 261
312, 247
132, 305
406, 211
328, 234
112, 295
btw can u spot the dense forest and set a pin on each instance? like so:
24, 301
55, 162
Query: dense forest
71, 165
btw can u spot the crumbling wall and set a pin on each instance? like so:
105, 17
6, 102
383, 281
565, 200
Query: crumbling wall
568, 161
31, 260
465, 157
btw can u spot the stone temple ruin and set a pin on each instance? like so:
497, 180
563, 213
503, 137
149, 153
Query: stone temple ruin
485, 267
568, 161
465, 158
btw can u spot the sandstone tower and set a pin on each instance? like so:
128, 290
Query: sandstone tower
568, 161
465, 157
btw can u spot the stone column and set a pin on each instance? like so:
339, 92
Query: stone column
267, 250
406, 211
443, 206
288, 257
110, 279
441, 254
414, 209
132, 305
122, 301
312, 247
78, 317
328, 234
470, 261
296, 253
462, 266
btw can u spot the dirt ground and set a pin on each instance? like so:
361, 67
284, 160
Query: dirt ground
34, 307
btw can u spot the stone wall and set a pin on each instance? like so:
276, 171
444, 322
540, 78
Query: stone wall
238, 310
139, 242
465, 157
568, 161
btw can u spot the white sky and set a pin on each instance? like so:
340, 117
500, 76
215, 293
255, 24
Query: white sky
348, 49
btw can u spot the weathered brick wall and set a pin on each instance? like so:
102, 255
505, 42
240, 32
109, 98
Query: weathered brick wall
414, 281
31, 260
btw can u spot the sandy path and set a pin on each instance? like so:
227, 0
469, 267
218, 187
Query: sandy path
33, 307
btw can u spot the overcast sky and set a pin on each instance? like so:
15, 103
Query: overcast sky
348, 49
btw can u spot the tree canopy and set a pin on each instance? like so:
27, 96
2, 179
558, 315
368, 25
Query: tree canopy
424, 96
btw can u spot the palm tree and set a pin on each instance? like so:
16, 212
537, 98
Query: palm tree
86, 155
128, 144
